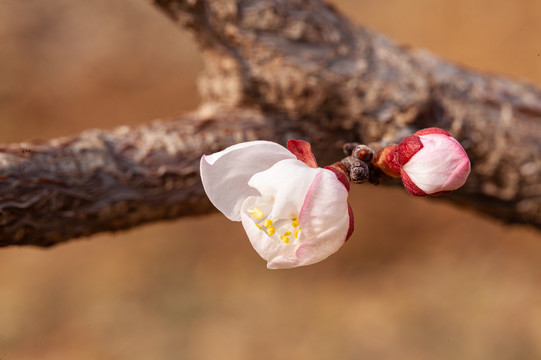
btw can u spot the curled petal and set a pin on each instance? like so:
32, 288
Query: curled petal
225, 174
285, 184
340, 176
325, 222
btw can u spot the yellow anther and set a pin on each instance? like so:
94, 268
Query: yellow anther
271, 230
258, 226
284, 239
287, 233
267, 223
255, 212
296, 233
295, 222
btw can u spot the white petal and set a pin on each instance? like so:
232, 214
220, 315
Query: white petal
225, 174
441, 164
282, 189
324, 221
285, 184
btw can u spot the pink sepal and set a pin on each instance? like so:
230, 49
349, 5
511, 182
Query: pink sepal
407, 148
303, 152
387, 161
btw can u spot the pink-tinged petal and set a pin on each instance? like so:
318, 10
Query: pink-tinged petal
303, 151
285, 184
440, 165
344, 180
324, 221
340, 176
458, 176
324, 206
225, 174
407, 148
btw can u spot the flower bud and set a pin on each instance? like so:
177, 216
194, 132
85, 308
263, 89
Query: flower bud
432, 162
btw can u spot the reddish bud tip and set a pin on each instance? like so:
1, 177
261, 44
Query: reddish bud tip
303, 152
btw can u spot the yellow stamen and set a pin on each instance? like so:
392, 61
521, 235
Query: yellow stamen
255, 212
267, 223
287, 233
258, 226
296, 233
284, 239
271, 230
295, 222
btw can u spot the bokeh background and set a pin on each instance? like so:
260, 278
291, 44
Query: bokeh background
420, 279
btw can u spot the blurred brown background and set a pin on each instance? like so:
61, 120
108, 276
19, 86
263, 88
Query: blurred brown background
419, 279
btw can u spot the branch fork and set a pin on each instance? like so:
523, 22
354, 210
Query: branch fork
278, 70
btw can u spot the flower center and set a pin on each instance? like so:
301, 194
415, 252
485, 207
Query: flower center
278, 228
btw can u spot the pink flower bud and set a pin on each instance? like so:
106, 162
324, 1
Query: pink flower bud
432, 162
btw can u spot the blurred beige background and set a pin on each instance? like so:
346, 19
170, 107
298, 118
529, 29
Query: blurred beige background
419, 279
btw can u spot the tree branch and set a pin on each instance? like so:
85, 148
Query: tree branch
276, 70
302, 58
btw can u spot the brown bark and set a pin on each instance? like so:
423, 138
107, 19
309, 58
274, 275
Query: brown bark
276, 70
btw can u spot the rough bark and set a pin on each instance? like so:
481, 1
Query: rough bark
276, 70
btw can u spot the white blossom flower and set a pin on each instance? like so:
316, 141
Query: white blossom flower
294, 213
